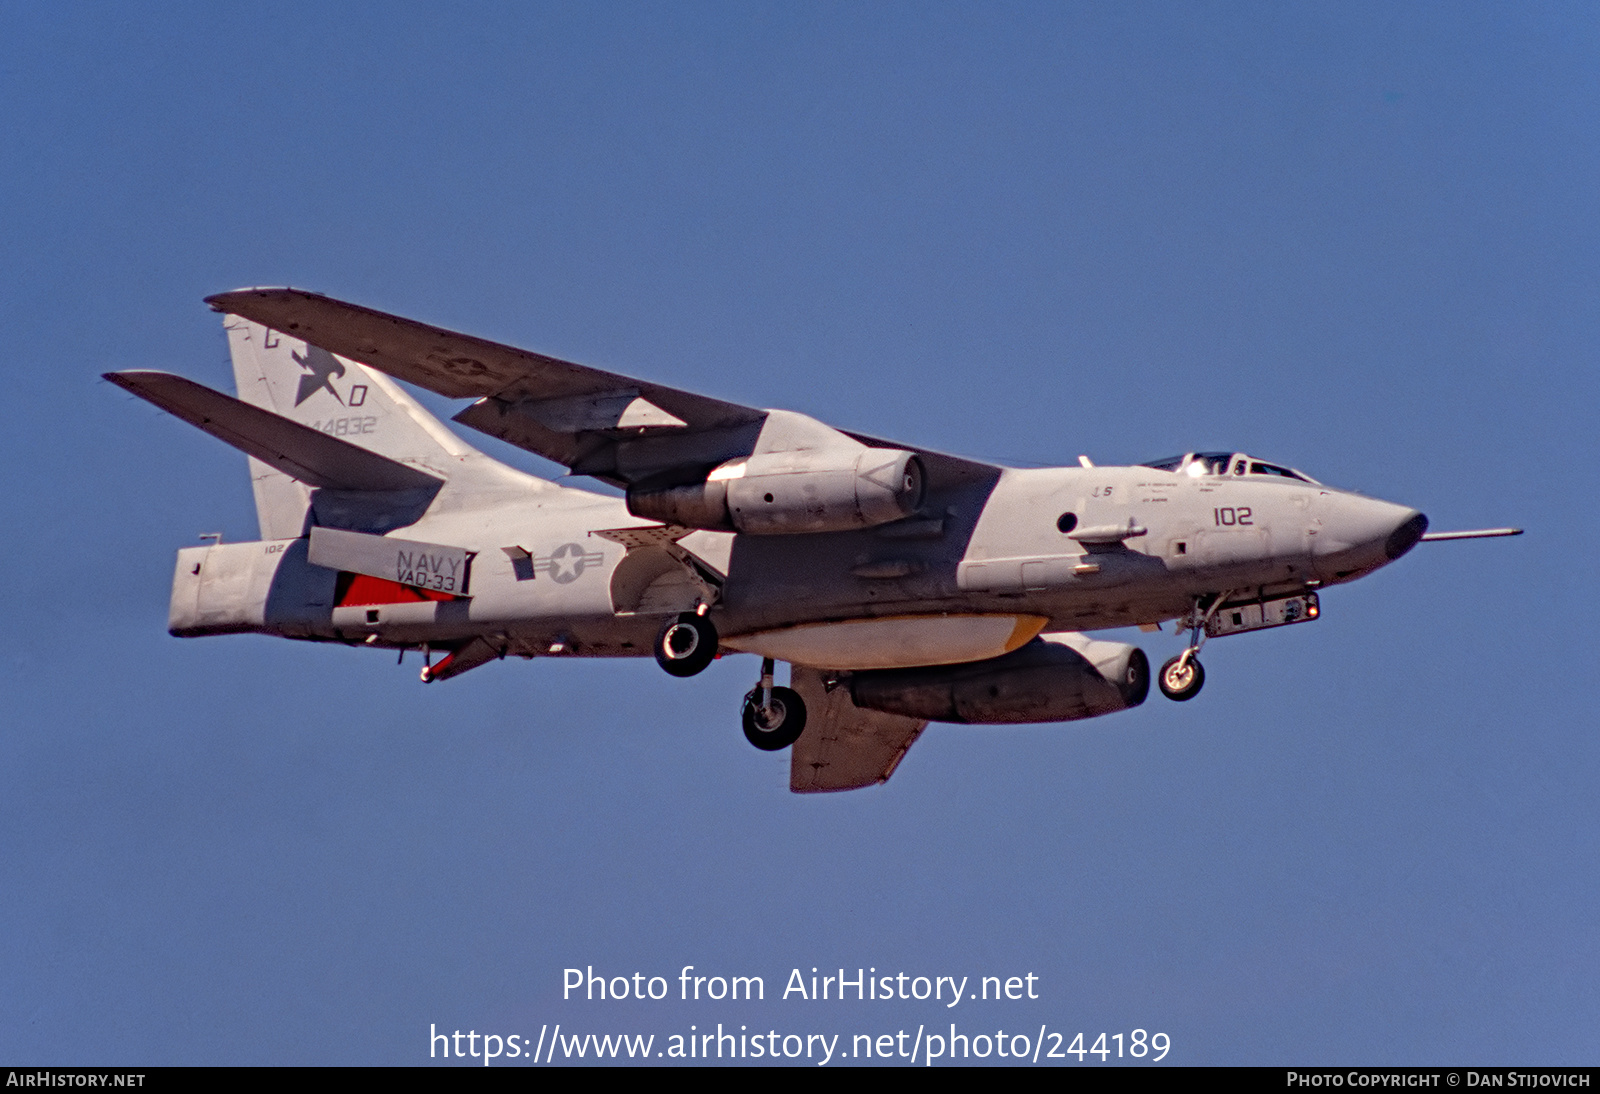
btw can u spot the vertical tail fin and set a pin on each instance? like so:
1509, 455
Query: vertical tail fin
337, 396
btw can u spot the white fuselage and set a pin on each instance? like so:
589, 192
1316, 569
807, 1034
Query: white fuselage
978, 577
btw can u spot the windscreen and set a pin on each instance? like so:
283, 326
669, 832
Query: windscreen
1217, 463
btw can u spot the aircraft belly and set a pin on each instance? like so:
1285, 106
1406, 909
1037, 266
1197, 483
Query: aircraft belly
894, 642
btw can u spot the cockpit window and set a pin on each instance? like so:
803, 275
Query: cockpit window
1218, 463
1274, 469
1166, 463
1194, 463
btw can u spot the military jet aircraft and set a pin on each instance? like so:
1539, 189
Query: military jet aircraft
901, 585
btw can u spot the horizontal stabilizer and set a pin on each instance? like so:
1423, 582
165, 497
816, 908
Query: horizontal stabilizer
309, 455
403, 561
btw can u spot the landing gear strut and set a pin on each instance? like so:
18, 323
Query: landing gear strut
773, 717
687, 644
1182, 677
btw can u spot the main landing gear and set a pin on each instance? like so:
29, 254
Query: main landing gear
1182, 677
687, 644
773, 717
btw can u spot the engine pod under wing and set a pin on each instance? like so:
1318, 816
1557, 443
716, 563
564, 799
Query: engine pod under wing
834, 489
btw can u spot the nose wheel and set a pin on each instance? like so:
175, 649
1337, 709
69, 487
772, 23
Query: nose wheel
1182, 677
773, 717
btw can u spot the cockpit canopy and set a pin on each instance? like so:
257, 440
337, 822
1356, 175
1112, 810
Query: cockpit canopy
1233, 464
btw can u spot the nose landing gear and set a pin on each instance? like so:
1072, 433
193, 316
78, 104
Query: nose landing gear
773, 717
1182, 677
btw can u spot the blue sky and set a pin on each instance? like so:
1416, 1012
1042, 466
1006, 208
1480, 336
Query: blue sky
1356, 239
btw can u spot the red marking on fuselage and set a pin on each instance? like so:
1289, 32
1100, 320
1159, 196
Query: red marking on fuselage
357, 590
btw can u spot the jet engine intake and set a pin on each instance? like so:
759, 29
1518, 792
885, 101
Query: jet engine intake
1054, 678
786, 493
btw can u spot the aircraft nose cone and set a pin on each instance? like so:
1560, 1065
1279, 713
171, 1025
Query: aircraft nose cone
1361, 534
1405, 537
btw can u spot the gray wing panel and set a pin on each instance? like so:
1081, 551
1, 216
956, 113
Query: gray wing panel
844, 747
458, 366
558, 402
595, 422
307, 454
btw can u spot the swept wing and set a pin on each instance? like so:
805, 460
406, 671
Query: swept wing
617, 428
845, 747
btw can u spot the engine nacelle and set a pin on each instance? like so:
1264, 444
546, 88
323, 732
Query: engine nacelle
783, 493
1054, 678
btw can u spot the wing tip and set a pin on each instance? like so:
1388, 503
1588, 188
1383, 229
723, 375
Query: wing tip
220, 302
134, 378
793, 789
815, 786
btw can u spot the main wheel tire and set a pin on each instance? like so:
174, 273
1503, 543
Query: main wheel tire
1180, 682
778, 728
686, 645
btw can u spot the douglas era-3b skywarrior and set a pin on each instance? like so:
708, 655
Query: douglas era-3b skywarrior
902, 585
